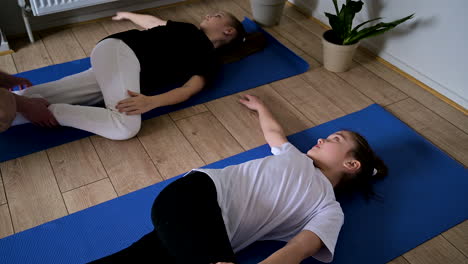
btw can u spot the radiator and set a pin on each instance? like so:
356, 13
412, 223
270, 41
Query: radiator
44, 7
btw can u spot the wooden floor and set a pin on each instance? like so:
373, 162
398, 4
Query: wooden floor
56, 182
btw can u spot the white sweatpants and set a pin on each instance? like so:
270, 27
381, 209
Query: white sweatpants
114, 70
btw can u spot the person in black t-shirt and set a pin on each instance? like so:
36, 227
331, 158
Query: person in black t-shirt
129, 68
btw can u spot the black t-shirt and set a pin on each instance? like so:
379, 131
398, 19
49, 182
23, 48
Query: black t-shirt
170, 54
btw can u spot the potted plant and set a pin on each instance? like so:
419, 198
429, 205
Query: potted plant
267, 12
340, 43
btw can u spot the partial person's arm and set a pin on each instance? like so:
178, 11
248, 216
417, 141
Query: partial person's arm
35, 110
144, 21
138, 103
9, 81
303, 245
272, 130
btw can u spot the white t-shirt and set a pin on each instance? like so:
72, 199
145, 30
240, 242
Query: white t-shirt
275, 198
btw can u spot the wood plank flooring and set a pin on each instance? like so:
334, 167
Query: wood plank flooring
50, 184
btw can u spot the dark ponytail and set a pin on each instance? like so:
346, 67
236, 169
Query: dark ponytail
363, 180
243, 45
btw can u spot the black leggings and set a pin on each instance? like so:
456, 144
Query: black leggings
188, 227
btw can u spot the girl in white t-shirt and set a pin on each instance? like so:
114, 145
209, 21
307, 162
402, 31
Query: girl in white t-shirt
210, 214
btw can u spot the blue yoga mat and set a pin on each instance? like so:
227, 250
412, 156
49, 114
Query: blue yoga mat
274, 63
424, 195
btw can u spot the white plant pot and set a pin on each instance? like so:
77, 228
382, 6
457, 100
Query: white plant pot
337, 58
267, 12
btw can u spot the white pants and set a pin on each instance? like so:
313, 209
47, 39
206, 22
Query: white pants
114, 70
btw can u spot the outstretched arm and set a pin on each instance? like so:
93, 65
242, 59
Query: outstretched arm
144, 21
138, 103
272, 130
302, 246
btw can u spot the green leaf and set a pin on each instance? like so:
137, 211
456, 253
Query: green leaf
333, 21
335, 24
374, 30
342, 23
362, 24
362, 35
349, 12
336, 7
355, 6
341, 33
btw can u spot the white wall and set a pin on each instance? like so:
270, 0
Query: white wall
432, 47
11, 21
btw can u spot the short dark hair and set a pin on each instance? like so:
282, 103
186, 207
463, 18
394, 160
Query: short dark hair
363, 180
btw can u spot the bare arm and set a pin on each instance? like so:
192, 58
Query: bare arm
139, 103
9, 81
302, 246
35, 110
194, 85
272, 130
144, 21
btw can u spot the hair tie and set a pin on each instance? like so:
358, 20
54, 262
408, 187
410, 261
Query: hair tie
374, 172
